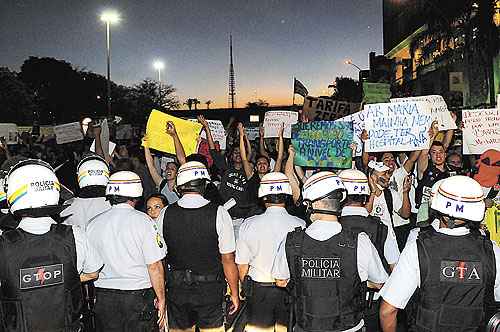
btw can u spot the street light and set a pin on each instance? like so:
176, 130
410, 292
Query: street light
109, 17
349, 62
158, 65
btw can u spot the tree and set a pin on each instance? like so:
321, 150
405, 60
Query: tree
260, 103
196, 102
16, 100
208, 102
347, 89
189, 103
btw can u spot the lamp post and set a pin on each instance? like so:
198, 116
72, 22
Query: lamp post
158, 65
349, 62
109, 17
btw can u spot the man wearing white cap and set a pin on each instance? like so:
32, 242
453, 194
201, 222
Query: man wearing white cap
130, 291
200, 242
256, 248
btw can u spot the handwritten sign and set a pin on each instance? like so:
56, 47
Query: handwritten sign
218, 132
481, 130
252, 133
397, 126
439, 109
358, 125
323, 144
158, 139
326, 109
376, 92
273, 120
9, 132
69, 132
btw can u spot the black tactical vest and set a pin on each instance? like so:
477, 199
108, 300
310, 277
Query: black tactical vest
192, 240
373, 227
431, 175
41, 288
457, 277
326, 285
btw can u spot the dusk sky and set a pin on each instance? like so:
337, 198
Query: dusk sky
273, 41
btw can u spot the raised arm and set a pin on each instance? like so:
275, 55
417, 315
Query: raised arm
405, 210
210, 139
423, 159
247, 166
411, 160
281, 147
179, 149
365, 157
290, 173
150, 163
262, 144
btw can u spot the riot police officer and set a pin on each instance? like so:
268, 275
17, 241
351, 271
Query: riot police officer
256, 248
130, 293
326, 264
93, 175
43, 262
200, 241
455, 267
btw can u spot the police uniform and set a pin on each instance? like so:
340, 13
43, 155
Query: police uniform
82, 210
324, 259
196, 233
128, 243
257, 246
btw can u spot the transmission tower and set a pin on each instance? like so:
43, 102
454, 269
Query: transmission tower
232, 83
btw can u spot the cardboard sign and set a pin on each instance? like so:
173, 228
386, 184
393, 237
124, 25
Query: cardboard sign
124, 131
69, 132
358, 125
158, 139
323, 144
481, 130
374, 93
397, 126
111, 148
218, 132
273, 120
9, 131
326, 109
439, 110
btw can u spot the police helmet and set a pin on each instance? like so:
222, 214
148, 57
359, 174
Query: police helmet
274, 183
124, 184
32, 189
355, 182
459, 197
324, 185
92, 171
192, 176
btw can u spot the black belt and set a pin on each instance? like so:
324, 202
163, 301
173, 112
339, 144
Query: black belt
264, 284
123, 291
189, 276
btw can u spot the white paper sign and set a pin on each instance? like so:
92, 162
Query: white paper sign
111, 147
252, 133
481, 130
69, 132
397, 126
439, 109
9, 131
358, 124
498, 102
273, 120
217, 130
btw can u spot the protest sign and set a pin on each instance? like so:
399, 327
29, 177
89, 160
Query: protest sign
397, 126
69, 132
481, 130
9, 131
110, 149
273, 120
326, 109
439, 109
358, 125
124, 131
158, 139
374, 93
252, 133
498, 102
218, 132
323, 144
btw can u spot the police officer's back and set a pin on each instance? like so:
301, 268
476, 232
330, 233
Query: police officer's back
200, 242
43, 262
256, 248
327, 266
455, 267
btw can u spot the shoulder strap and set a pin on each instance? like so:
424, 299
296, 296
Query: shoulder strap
12, 235
293, 248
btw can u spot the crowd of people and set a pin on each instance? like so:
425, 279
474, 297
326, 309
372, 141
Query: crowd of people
244, 239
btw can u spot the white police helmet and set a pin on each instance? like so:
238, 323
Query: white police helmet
32, 185
321, 185
192, 170
92, 171
434, 190
274, 183
355, 182
460, 197
125, 184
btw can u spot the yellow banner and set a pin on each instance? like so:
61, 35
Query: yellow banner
158, 139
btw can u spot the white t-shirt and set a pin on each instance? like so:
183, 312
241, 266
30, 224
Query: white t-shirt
223, 225
88, 259
128, 243
259, 239
405, 278
368, 261
82, 210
